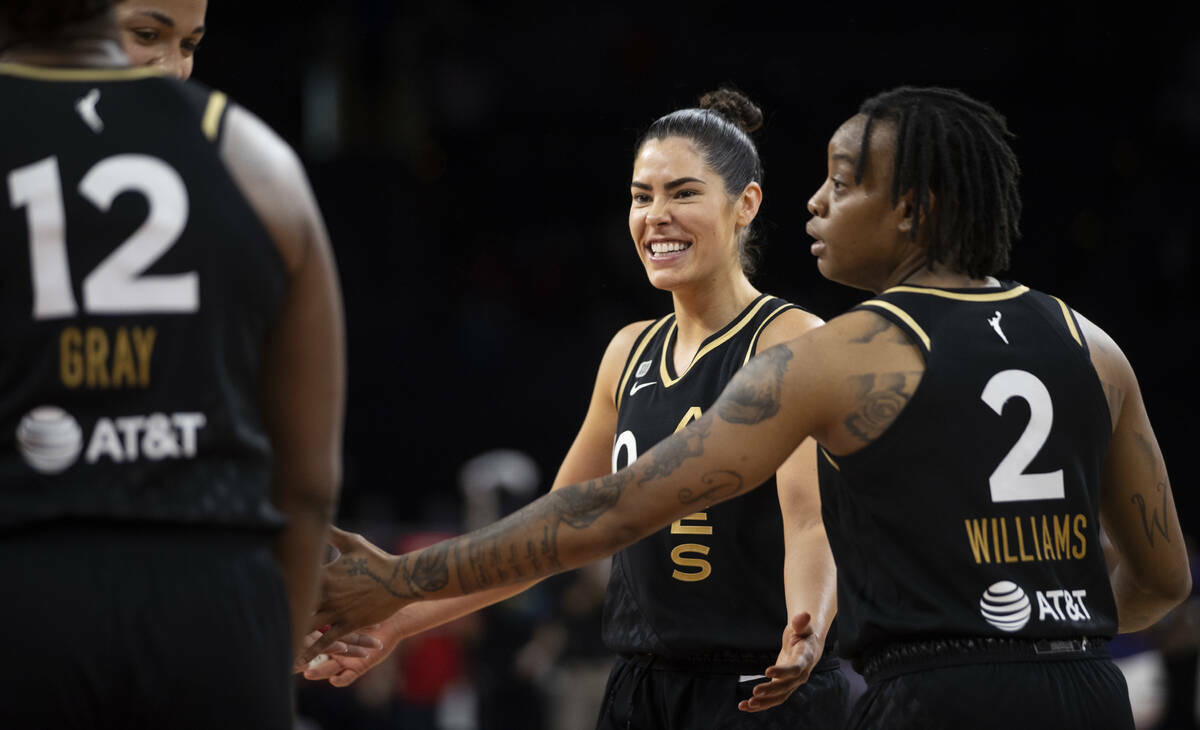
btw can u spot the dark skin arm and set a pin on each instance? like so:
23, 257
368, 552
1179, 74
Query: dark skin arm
809, 386
304, 370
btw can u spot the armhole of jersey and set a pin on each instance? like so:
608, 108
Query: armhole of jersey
1072, 324
903, 320
213, 121
828, 457
639, 346
753, 349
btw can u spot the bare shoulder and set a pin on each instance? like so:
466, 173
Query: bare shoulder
617, 352
269, 173
1112, 367
860, 370
787, 326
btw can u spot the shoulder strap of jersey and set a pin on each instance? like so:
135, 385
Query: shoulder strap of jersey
1061, 318
774, 307
209, 107
639, 346
890, 306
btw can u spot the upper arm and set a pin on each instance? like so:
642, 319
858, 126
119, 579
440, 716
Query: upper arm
796, 479
304, 367
1137, 508
590, 455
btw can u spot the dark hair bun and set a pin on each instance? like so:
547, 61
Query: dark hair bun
734, 106
47, 17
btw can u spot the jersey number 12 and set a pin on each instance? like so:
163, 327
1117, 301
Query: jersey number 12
116, 285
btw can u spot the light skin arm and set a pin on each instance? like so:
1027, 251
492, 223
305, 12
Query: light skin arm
590, 456
785, 394
809, 575
1148, 561
304, 368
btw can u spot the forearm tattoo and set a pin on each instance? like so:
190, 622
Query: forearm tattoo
753, 394
410, 578
881, 397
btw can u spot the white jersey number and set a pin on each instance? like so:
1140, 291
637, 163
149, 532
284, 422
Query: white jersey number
625, 442
1009, 482
116, 286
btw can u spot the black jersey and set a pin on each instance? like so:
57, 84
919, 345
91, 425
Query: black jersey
137, 287
976, 512
711, 584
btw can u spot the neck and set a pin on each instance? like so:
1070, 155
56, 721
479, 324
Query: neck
914, 270
705, 308
92, 44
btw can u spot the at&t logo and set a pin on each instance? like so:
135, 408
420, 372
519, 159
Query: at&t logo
50, 439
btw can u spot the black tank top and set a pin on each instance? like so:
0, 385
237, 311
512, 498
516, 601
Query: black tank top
976, 512
137, 288
710, 586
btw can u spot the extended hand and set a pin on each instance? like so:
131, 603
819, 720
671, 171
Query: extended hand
800, 653
344, 669
357, 590
351, 646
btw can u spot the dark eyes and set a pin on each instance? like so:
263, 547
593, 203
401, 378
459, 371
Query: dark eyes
641, 198
837, 184
146, 35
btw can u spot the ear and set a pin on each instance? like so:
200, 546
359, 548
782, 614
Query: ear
748, 204
908, 213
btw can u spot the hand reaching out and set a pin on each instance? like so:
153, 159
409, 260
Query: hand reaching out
355, 645
801, 651
344, 669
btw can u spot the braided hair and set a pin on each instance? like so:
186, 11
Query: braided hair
720, 128
47, 18
953, 152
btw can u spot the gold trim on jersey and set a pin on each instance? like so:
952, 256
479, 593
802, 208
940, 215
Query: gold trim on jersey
212, 115
637, 354
667, 380
757, 332
829, 458
1070, 320
44, 73
962, 296
904, 317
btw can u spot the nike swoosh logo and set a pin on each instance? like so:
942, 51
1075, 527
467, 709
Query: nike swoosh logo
637, 387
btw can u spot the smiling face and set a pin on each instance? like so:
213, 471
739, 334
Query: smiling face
162, 33
682, 220
861, 238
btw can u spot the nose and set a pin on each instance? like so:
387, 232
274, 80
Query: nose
173, 64
816, 205
658, 215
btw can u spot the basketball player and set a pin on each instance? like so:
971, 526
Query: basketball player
974, 435
172, 380
162, 33
695, 610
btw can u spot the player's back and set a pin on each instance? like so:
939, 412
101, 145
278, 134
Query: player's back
983, 494
137, 288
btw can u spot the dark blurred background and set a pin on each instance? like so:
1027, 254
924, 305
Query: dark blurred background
472, 164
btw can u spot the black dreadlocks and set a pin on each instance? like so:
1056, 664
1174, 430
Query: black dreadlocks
953, 152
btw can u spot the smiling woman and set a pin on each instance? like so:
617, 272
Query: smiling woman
162, 33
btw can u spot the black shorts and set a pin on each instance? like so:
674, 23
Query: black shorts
1080, 690
143, 627
655, 695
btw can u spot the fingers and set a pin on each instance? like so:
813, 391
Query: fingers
321, 645
325, 669
345, 679
362, 639
341, 539
770, 694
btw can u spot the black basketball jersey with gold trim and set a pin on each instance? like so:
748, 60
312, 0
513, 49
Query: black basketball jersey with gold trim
710, 586
976, 512
137, 287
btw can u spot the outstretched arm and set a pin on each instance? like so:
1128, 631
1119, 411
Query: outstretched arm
757, 422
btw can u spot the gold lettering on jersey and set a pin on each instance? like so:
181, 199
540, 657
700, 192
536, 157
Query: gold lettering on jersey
703, 568
693, 413
97, 359
1048, 538
678, 528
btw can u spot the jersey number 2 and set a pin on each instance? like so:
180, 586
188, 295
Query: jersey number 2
1009, 482
116, 286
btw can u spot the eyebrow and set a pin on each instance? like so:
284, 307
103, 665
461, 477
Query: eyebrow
165, 19
843, 157
673, 184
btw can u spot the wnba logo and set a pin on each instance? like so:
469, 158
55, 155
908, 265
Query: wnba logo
1005, 606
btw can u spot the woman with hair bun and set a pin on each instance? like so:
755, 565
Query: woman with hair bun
164, 34
695, 611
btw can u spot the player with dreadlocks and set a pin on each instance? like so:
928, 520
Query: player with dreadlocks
172, 389
974, 434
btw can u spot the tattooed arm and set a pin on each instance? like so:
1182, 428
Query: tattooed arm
1137, 510
773, 403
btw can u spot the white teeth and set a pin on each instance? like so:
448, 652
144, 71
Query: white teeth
668, 246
